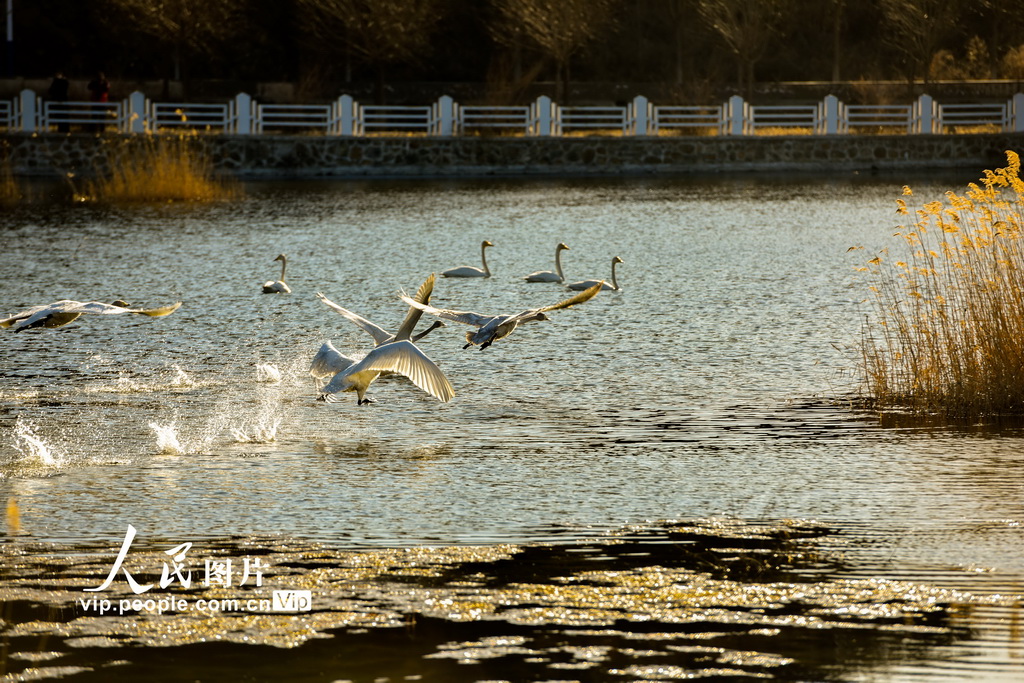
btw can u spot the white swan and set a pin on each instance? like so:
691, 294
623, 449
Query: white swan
382, 336
614, 286
402, 357
330, 361
494, 327
279, 286
66, 311
470, 271
547, 275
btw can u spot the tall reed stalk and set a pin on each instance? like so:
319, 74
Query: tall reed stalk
158, 169
946, 333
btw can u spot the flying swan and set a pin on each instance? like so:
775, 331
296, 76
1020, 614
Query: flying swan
329, 361
494, 327
64, 312
392, 354
584, 284
401, 357
471, 271
547, 275
279, 286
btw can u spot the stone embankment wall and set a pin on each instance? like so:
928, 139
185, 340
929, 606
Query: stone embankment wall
280, 156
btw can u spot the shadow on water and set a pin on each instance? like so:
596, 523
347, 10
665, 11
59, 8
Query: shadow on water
662, 601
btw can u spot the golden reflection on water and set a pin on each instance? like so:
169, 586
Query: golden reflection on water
728, 599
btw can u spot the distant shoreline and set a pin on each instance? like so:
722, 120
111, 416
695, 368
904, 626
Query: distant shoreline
309, 157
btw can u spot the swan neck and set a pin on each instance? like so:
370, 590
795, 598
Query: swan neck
284, 265
483, 257
558, 264
615, 283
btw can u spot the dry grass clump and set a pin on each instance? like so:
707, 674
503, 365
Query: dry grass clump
158, 169
948, 329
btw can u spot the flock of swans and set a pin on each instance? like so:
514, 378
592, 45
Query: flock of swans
398, 354
555, 275
395, 353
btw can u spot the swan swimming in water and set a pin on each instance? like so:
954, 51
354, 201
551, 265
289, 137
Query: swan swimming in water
66, 311
401, 357
471, 271
614, 286
494, 327
279, 286
547, 275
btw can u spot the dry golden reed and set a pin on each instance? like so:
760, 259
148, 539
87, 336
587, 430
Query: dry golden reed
158, 169
947, 331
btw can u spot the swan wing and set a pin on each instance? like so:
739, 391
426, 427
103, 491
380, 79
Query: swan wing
379, 334
329, 361
585, 295
402, 357
100, 308
30, 315
414, 314
466, 317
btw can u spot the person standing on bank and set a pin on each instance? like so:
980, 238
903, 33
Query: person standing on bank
99, 91
58, 92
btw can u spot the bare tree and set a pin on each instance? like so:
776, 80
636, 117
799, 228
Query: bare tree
916, 29
748, 28
188, 29
378, 32
559, 28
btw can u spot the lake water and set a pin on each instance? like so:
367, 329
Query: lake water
714, 385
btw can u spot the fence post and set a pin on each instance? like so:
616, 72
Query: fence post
1017, 113
243, 114
445, 124
831, 115
29, 113
924, 119
640, 115
543, 116
135, 113
347, 115
736, 116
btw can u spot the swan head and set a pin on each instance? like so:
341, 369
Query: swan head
120, 302
563, 245
539, 317
616, 260
281, 257
485, 244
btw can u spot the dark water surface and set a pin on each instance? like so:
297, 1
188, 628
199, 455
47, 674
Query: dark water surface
714, 386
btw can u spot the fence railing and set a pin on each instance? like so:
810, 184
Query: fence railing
346, 117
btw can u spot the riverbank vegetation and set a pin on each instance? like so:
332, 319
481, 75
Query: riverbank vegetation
946, 332
157, 169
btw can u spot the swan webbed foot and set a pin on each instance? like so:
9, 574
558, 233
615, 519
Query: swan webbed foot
467, 345
365, 401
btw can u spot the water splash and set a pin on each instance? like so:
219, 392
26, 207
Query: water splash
167, 439
32, 448
180, 379
263, 431
266, 372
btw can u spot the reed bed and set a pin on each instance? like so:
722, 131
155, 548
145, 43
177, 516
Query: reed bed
158, 169
946, 333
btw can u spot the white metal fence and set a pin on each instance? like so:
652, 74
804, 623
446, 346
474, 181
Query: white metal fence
346, 117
